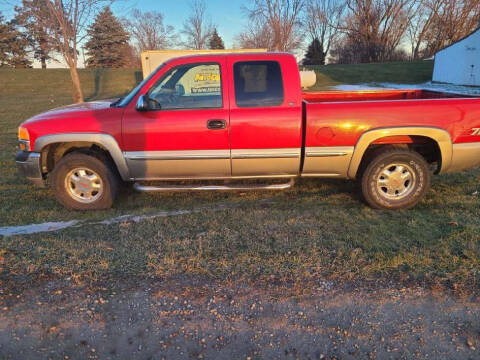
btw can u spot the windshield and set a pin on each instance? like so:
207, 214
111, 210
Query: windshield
188, 86
124, 101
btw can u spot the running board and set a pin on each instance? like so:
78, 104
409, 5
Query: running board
176, 188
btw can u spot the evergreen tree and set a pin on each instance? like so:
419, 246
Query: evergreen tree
13, 45
107, 42
28, 16
215, 41
315, 54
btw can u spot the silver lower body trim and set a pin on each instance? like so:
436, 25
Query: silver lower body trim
178, 155
465, 156
327, 161
211, 164
266, 153
184, 164
266, 162
327, 151
326, 175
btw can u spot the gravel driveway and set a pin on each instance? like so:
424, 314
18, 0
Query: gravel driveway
171, 320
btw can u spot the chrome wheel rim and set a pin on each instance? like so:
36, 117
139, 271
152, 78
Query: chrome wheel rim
396, 181
84, 185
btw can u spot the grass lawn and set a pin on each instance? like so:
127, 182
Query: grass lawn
318, 230
394, 72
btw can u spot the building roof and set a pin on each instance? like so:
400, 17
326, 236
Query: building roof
459, 40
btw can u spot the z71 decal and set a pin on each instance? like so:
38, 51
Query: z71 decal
475, 132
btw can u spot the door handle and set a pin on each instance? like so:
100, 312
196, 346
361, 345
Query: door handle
216, 124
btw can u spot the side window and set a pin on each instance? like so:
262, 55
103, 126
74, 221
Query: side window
192, 86
258, 84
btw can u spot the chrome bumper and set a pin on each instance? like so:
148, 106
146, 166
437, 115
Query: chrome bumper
29, 165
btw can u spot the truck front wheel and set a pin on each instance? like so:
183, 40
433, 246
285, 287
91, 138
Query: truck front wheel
84, 182
395, 179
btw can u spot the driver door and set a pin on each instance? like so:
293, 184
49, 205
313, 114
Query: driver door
184, 133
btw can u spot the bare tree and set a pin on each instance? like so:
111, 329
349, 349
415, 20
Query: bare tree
438, 23
68, 21
453, 20
256, 36
375, 28
196, 28
148, 30
280, 20
421, 23
322, 21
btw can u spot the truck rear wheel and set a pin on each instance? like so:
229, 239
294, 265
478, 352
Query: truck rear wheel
395, 179
84, 182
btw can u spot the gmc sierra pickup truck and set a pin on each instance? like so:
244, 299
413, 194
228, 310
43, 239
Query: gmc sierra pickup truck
232, 117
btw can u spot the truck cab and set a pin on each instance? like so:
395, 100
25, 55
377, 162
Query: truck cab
213, 117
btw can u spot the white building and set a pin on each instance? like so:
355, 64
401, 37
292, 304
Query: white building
459, 63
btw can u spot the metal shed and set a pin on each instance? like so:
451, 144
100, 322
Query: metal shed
459, 63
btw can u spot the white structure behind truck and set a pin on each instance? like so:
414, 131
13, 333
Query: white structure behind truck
459, 63
151, 59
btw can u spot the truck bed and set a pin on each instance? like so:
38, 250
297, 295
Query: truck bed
339, 118
335, 121
378, 95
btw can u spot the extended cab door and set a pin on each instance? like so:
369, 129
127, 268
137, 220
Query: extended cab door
265, 115
185, 131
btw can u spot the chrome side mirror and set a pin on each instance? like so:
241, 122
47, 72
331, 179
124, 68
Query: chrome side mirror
142, 103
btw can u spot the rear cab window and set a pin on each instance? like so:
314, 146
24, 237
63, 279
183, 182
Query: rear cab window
258, 84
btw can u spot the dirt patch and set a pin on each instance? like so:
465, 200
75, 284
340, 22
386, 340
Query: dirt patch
157, 320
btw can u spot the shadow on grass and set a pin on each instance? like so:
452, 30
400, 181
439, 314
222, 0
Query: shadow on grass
103, 77
100, 78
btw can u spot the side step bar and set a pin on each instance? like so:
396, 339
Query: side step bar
245, 187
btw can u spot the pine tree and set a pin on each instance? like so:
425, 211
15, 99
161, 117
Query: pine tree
107, 42
18, 48
28, 16
13, 46
215, 41
315, 54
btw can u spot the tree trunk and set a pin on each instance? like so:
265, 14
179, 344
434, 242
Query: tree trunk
77, 93
416, 51
43, 52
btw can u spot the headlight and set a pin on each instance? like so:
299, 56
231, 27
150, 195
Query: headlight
23, 139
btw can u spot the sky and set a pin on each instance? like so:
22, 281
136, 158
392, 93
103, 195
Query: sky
226, 15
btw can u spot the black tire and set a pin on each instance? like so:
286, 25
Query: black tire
395, 179
107, 178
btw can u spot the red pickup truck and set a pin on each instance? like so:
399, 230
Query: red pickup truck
231, 117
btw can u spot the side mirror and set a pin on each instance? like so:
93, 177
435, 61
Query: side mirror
142, 103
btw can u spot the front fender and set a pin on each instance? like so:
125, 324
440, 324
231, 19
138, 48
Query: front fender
104, 140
